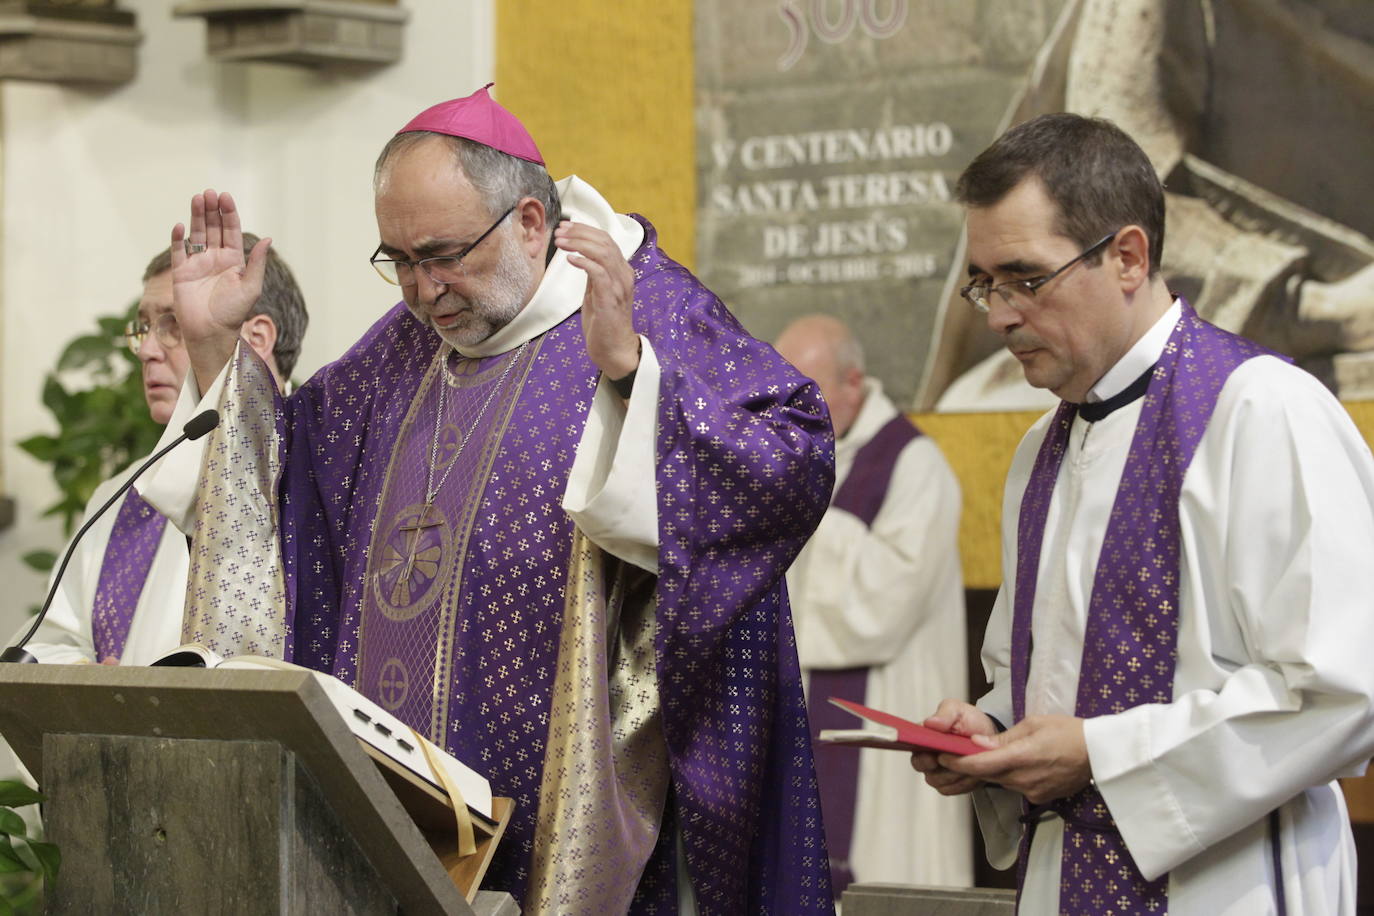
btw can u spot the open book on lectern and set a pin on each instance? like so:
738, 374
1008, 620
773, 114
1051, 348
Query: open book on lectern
376, 728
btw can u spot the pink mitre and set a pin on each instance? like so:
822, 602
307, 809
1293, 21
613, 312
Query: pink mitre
477, 117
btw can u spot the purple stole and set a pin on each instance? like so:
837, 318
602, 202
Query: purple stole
128, 558
1130, 641
837, 769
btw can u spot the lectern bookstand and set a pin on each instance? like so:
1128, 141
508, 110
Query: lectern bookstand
176, 790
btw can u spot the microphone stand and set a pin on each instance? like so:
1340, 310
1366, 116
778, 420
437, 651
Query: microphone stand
196, 427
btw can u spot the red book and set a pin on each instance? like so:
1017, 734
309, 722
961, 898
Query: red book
884, 730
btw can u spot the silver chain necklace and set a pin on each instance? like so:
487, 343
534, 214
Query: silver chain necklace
431, 489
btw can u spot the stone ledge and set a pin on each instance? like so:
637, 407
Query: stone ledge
309, 32
65, 50
909, 900
100, 11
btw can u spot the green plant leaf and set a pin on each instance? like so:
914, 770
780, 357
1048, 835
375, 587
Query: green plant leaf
49, 859
102, 426
23, 897
84, 440
20, 845
86, 480
44, 448
102, 403
39, 561
85, 351
11, 823
14, 794
57, 508
55, 397
112, 326
9, 858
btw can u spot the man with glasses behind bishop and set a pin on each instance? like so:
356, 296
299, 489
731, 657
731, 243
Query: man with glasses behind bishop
121, 599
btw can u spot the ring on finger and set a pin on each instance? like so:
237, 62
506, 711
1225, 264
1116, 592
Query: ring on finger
195, 248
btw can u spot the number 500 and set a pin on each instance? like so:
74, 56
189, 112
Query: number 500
832, 25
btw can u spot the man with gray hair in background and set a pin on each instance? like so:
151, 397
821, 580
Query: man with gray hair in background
121, 599
877, 596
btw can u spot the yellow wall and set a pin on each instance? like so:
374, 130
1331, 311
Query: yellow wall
979, 446
606, 91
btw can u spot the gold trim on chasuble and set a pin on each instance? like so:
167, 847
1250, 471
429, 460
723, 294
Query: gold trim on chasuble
605, 780
236, 587
440, 566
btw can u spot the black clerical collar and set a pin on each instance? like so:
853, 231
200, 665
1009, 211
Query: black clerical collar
1132, 392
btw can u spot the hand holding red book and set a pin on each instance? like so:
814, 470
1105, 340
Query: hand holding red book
889, 732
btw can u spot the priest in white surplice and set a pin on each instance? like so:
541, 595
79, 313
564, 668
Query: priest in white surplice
121, 598
1179, 652
878, 601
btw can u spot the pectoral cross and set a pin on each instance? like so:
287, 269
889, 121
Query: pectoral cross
415, 528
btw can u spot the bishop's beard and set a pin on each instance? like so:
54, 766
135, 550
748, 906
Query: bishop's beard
502, 293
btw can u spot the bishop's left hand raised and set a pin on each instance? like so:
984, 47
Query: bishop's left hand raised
608, 306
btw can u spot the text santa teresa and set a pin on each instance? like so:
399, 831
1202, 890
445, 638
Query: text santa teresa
833, 192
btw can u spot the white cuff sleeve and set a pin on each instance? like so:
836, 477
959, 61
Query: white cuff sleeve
611, 491
1143, 804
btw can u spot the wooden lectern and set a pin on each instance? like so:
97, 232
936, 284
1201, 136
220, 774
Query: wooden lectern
910, 900
183, 790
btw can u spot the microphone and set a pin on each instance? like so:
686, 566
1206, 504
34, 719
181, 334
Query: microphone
196, 427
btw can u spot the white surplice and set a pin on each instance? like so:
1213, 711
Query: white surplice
891, 597
1273, 685
65, 636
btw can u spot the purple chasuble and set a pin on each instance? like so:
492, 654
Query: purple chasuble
837, 768
1131, 635
128, 558
456, 626
406, 631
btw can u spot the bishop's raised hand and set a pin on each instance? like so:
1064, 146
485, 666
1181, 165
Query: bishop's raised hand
213, 288
608, 305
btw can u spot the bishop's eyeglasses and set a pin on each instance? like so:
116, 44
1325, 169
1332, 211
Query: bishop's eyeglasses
441, 270
163, 326
1020, 293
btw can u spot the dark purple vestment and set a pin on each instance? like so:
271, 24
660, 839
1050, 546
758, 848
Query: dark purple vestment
744, 471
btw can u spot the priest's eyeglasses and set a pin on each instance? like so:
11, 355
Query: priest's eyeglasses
164, 327
441, 270
1019, 293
